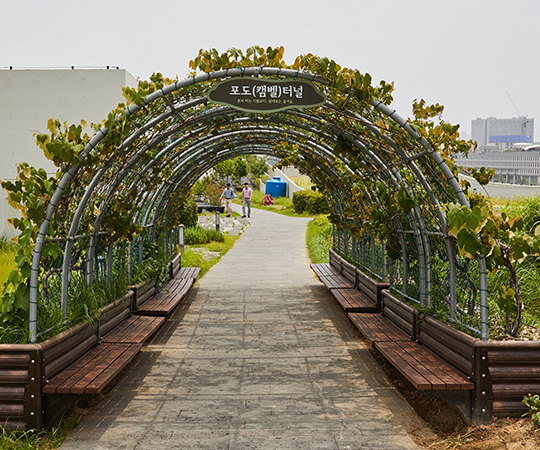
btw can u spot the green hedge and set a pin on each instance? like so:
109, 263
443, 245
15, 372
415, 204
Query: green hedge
310, 202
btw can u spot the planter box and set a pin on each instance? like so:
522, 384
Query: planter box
25, 368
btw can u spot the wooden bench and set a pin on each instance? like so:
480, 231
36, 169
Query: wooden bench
422, 368
352, 297
134, 330
330, 277
120, 336
95, 370
352, 300
376, 328
188, 272
164, 302
393, 333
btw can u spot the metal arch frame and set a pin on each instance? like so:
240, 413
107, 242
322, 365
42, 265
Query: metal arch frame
173, 109
205, 163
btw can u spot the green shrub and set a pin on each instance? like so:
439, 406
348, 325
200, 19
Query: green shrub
198, 235
310, 202
533, 403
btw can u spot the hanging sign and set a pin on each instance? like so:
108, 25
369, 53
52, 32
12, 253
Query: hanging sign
262, 95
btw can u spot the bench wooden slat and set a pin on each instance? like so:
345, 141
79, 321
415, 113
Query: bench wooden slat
102, 363
330, 277
352, 300
336, 282
61, 382
376, 328
163, 303
188, 272
105, 377
454, 380
417, 379
134, 330
324, 270
423, 369
94, 371
417, 357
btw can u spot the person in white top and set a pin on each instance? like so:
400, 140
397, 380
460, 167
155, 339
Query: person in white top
247, 192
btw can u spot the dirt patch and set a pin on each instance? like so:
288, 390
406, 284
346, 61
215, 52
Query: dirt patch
451, 431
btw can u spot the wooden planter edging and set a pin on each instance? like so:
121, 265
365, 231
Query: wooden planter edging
25, 368
503, 372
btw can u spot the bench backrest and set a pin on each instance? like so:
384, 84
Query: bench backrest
115, 313
142, 292
335, 260
348, 270
65, 348
175, 265
401, 314
370, 287
451, 345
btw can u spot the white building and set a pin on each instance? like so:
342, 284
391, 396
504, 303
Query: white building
28, 98
510, 167
494, 134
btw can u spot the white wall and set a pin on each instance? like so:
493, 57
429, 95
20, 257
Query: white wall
28, 98
284, 174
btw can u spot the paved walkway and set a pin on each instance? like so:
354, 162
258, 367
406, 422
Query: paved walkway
258, 356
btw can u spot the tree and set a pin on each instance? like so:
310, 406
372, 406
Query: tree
257, 166
240, 168
225, 169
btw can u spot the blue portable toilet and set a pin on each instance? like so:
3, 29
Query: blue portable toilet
276, 187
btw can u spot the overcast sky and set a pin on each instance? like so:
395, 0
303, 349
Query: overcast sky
465, 54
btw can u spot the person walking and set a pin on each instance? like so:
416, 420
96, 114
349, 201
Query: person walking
228, 195
247, 192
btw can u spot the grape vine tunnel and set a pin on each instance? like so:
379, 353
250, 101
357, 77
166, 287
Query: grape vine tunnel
122, 186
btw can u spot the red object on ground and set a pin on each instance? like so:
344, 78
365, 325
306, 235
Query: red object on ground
268, 200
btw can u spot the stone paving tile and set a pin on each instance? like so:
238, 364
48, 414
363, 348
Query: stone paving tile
258, 356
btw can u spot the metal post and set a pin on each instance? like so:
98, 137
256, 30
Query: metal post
130, 262
109, 263
373, 255
218, 225
383, 260
181, 243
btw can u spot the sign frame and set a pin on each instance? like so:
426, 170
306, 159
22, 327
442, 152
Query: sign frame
265, 95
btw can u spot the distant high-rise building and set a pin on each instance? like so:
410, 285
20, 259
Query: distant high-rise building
500, 134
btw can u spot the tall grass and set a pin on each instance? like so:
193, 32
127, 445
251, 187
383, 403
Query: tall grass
528, 274
318, 235
37, 440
